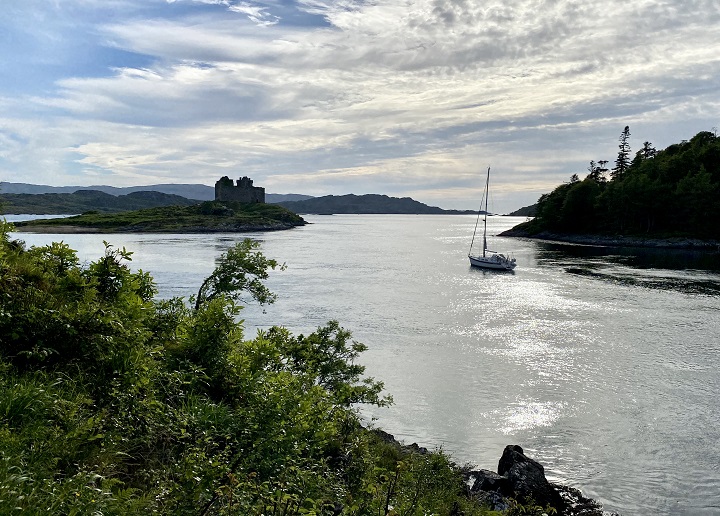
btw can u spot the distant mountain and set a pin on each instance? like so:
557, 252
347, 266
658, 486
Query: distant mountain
526, 211
276, 198
189, 191
18, 198
370, 203
87, 200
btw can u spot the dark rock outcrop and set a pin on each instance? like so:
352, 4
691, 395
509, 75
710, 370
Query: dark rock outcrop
486, 480
527, 478
518, 479
523, 479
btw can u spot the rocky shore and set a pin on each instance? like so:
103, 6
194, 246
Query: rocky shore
618, 240
518, 479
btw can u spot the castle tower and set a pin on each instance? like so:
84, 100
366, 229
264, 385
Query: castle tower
243, 191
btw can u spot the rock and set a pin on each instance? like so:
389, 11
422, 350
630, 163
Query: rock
416, 448
578, 505
492, 500
521, 478
390, 439
527, 479
486, 480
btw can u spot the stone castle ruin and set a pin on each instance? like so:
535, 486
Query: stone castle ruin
243, 191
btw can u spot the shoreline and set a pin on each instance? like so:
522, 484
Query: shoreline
518, 477
70, 229
678, 243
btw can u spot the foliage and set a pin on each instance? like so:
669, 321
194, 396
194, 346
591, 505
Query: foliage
239, 269
113, 402
675, 191
206, 216
529, 508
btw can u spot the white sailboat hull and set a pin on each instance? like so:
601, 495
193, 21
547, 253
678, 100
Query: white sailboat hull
493, 261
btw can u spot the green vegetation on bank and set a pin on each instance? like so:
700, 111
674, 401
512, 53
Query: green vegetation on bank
209, 216
114, 402
672, 192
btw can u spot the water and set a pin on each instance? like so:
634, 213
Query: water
602, 363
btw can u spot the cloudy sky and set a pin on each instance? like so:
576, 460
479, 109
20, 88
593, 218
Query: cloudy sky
400, 97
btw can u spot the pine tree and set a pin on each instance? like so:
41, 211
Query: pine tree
623, 159
602, 168
648, 151
597, 170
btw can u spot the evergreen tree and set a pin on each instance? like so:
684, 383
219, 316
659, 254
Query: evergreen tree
623, 159
648, 151
602, 169
597, 170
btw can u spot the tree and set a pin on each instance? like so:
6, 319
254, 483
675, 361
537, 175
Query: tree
597, 171
648, 151
602, 169
241, 269
623, 159
592, 168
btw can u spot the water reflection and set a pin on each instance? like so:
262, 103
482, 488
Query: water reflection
686, 271
490, 272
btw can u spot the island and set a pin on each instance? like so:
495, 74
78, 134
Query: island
206, 217
238, 207
665, 198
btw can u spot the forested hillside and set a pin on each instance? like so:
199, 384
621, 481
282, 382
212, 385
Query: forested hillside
671, 192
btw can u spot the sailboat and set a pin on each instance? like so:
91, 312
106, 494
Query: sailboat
489, 259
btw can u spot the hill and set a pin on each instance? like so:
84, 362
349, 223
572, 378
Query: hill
87, 200
189, 191
206, 217
671, 193
525, 211
365, 204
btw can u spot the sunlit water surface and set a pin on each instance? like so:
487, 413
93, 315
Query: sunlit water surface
602, 363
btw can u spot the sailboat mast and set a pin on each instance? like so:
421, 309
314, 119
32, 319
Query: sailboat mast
487, 193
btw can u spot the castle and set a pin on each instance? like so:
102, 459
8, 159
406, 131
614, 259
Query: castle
243, 191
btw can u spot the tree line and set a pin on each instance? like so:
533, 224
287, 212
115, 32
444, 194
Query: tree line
669, 192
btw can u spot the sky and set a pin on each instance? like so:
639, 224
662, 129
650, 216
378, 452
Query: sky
408, 98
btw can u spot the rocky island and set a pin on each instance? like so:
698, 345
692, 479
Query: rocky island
237, 208
207, 217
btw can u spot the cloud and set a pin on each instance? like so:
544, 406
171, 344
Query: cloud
339, 96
